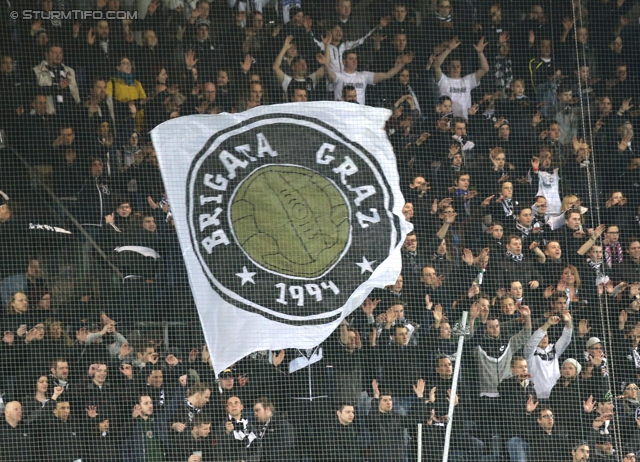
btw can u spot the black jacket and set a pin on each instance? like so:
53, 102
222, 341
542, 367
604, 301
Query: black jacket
513, 402
342, 443
277, 440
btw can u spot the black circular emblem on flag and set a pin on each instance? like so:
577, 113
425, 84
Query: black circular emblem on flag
288, 218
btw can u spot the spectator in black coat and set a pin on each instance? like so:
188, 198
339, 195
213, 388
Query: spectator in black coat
277, 438
342, 440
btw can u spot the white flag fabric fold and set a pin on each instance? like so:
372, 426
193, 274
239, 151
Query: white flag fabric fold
287, 216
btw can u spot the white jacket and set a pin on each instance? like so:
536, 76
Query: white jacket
43, 79
543, 364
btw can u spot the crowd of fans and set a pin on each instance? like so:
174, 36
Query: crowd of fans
513, 128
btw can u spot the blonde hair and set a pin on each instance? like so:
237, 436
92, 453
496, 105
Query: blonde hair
566, 200
10, 308
575, 273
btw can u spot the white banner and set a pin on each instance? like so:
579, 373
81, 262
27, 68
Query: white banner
287, 215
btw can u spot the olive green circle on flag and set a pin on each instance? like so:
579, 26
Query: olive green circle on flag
290, 220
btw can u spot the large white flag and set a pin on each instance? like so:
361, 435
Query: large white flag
287, 215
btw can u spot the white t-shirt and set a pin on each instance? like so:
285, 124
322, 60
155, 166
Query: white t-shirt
359, 80
459, 90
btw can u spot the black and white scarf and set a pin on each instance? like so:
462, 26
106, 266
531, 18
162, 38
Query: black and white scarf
515, 258
596, 267
242, 430
525, 230
507, 206
447, 18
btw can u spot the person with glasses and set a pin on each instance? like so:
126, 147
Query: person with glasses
626, 406
118, 224
595, 354
124, 87
544, 442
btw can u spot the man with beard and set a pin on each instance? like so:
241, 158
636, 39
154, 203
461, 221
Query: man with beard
566, 397
277, 439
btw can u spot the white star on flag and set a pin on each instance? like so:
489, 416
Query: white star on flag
246, 276
366, 265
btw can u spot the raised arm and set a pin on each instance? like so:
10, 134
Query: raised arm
278, 62
325, 59
592, 240
400, 63
437, 64
565, 339
484, 64
384, 21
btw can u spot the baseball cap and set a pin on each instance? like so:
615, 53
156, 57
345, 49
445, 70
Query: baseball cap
592, 341
227, 374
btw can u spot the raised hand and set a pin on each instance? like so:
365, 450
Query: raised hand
246, 64
375, 388
8, 337
589, 404
583, 327
626, 105
474, 311
531, 406
391, 316
125, 349
535, 163
481, 45
57, 391
427, 302
624, 143
438, 314
418, 388
369, 306
553, 320
467, 256
92, 412
487, 201
277, 359
454, 43
432, 394
127, 370
137, 411
405, 58
190, 59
